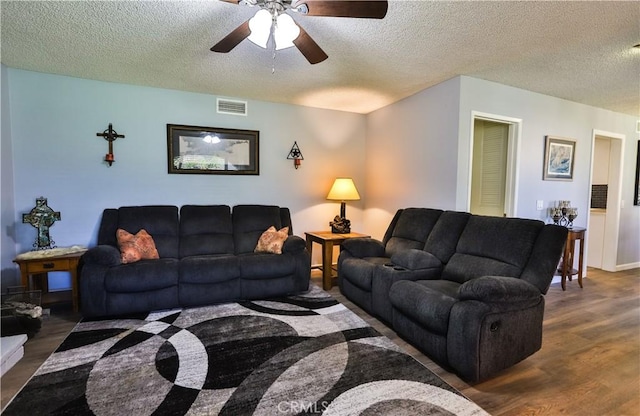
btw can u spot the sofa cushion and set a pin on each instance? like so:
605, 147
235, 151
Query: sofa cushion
205, 229
104, 255
209, 293
545, 256
209, 269
500, 289
294, 245
465, 267
249, 222
428, 307
412, 229
272, 240
142, 276
363, 247
414, 259
160, 221
446, 287
257, 266
136, 247
359, 272
492, 246
443, 239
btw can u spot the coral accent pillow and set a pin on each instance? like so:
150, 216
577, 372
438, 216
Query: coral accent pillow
271, 241
136, 247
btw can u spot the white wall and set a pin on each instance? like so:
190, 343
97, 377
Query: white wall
418, 153
411, 155
56, 154
544, 115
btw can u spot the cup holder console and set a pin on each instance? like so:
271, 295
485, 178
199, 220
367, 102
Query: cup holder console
394, 267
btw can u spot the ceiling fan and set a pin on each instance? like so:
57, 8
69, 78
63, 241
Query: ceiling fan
273, 22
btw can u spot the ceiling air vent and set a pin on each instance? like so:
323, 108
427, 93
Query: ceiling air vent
235, 107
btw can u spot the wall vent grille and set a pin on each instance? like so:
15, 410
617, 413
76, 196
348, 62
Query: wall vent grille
235, 107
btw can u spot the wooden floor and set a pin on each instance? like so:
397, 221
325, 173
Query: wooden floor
589, 363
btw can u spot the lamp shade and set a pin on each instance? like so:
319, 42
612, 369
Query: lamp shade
286, 32
343, 189
260, 26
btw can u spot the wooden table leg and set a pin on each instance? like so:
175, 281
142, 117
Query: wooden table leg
74, 285
24, 276
309, 246
580, 262
327, 260
565, 261
570, 258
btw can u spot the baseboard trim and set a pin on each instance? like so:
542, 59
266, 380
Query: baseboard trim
628, 266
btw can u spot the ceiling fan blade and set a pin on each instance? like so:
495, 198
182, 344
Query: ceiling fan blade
309, 48
232, 39
371, 9
231, 1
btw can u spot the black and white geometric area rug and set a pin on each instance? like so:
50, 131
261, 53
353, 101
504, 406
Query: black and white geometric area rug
303, 354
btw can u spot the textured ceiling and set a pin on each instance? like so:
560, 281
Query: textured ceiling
579, 51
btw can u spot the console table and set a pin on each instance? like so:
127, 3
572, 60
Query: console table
567, 270
53, 263
328, 240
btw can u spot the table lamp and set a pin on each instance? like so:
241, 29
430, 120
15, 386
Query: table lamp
343, 189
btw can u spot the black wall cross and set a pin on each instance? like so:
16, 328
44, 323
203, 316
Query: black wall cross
110, 135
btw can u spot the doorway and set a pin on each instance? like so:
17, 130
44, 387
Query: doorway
492, 182
605, 200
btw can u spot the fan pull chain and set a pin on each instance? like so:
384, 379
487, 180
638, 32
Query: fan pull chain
274, 26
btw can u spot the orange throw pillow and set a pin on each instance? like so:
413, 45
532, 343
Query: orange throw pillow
271, 241
136, 247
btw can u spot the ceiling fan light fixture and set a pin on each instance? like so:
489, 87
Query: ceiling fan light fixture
260, 26
211, 139
286, 32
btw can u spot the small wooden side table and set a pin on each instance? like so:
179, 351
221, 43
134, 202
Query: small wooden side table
575, 234
327, 240
59, 263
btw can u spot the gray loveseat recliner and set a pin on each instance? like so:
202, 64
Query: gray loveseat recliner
467, 290
206, 257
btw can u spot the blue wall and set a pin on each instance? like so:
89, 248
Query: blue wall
56, 154
7, 208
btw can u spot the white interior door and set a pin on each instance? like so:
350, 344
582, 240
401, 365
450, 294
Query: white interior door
609, 225
489, 168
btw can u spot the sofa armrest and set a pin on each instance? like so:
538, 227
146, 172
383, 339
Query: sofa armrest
363, 247
498, 289
414, 259
294, 244
104, 255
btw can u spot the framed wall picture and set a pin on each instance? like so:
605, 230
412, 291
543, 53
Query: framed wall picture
212, 150
559, 155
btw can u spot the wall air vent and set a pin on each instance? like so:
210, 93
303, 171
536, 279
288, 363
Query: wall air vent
235, 107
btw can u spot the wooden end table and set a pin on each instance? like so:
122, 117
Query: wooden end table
567, 270
327, 240
59, 263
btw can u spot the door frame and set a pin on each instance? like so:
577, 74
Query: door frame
614, 196
513, 155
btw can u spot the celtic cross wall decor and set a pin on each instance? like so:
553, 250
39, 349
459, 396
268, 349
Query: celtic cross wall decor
42, 217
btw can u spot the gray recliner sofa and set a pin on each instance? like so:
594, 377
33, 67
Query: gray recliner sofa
206, 256
467, 290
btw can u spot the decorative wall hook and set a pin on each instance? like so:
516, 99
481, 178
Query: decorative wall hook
42, 217
110, 135
296, 155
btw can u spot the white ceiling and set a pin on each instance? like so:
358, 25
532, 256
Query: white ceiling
579, 51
